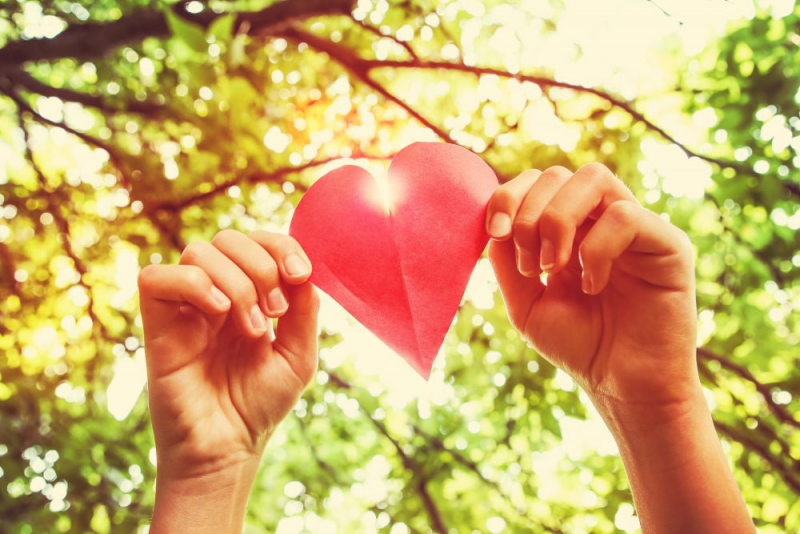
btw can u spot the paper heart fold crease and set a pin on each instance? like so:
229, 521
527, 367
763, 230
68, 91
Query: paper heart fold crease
399, 257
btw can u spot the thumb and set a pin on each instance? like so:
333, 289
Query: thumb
296, 338
519, 292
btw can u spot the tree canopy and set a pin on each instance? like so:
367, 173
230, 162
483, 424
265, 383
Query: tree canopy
130, 128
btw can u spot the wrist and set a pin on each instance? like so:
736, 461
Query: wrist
211, 501
628, 419
664, 437
675, 446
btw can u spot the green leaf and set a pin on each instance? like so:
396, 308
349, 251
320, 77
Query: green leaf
237, 49
100, 522
191, 34
222, 28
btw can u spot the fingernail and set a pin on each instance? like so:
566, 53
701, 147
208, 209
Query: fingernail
548, 255
295, 265
526, 262
257, 320
586, 282
276, 302
499, 225
220, 297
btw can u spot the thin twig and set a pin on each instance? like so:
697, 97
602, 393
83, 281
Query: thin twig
275, 176
113, 155
375, 31
325, 466
760, 449
31, 84
780, 412
413, 467
363, 68
63, 225
10, 267
95, 39
439, 445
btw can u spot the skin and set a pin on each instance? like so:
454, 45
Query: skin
617, 312
219, 380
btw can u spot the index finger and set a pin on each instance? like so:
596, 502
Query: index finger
163, 288
587, 194
292, 260
505, 202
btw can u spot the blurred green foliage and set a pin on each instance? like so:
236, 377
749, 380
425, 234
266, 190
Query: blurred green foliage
158, 124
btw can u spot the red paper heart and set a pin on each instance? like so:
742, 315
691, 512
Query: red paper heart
401, 274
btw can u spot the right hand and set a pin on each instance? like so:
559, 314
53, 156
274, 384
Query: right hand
219, 380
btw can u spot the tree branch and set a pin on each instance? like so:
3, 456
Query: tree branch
95, 39
63, 226
173, 237
258, 177
325, 466
664, 11
513, 127
86, 138
10, 266
439, 445
27, 82
780, 412
114, 157
375, 31
413, 467
362, 68
409, 462
752, 445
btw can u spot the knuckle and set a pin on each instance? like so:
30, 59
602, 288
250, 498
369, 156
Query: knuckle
622, 211
552, 221
145, 277
522, 228
196, 277
244, 292
595, 169
286, 244
529, 174
259, 235
267, 273
556, 171
193, 252
501, 198
288, 241
224, 236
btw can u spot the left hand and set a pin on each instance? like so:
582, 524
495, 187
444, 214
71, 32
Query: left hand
618, 313
618, 310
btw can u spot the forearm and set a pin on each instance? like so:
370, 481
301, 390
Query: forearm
213, 503
679, 475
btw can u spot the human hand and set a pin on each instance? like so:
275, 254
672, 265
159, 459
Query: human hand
219, 380
618, 311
